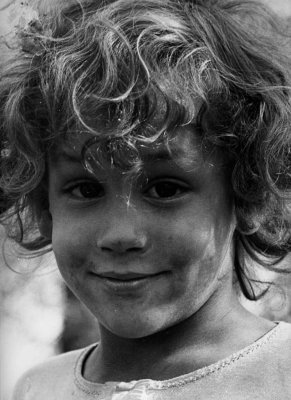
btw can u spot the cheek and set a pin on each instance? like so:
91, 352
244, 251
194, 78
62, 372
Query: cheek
184, 241
200, 247
187, 255
70, 246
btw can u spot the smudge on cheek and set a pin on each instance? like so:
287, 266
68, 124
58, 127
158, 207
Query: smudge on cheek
70, 263
186, 251
180, 260
194, 267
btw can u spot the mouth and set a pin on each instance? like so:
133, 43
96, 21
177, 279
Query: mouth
128, 281
130, 276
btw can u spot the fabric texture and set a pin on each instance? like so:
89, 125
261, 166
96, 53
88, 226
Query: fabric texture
260, 371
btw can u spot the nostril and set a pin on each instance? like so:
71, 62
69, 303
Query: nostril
121, 249
106, 249
122, 246
133, 249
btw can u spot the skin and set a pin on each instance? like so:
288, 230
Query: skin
175, 225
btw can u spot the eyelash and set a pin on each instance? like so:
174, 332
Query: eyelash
177, 186
70, 189
169, 184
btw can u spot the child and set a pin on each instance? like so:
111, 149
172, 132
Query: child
147, 143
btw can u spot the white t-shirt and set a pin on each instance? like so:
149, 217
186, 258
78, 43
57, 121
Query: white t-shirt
259, 371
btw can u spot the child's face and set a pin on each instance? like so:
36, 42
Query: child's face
144, 254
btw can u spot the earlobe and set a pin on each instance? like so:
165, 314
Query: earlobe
45, 224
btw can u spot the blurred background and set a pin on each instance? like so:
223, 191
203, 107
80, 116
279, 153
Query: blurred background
39, 316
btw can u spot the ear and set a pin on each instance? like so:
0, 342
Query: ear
45, 224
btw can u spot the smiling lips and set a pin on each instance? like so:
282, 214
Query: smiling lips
127, 282
127, 276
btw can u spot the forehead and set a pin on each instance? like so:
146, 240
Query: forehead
184, 144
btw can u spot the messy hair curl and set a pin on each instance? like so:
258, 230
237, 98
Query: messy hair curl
139, 69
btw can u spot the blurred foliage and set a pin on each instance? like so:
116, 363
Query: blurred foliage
32, 312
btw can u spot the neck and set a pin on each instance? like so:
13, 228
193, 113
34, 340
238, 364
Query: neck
204, 338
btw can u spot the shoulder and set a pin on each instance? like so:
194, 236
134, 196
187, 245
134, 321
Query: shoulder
282, 339
272, 362
274, 347
53, 375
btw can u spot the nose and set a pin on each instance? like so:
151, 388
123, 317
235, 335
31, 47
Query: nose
122, 235
121, 245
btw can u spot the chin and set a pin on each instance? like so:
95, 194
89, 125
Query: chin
133, 329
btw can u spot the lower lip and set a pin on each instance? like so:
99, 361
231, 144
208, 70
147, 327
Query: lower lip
129, 285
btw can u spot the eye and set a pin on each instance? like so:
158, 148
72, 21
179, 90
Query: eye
166, 189
86, 190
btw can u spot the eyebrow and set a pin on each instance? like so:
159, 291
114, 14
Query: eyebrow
159, 155
63, 155
162, 155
